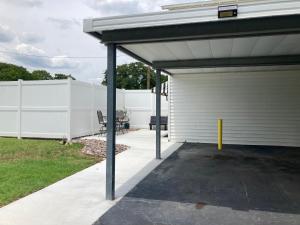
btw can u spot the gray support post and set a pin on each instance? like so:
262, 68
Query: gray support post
158, 110
111, 121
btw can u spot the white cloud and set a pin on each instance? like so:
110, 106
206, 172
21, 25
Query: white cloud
3, 58
122, 7
24, 3
30, 50
35, 57
31, 38
64, 23
51, 19
114, 7
6, 34
63, 62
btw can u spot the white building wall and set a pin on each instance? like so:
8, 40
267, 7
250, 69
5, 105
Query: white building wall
257, 108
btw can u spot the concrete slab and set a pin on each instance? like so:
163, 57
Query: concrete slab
80, 199
198, 185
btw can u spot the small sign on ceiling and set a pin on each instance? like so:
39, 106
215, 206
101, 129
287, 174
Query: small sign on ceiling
227, 11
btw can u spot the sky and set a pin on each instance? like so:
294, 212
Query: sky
44, 34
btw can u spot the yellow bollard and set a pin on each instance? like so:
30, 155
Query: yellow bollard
220, 134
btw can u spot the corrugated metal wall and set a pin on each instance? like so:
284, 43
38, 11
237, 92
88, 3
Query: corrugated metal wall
258, 108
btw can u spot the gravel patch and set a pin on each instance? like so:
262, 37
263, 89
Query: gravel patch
98, 148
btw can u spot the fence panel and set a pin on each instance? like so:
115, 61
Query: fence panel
86, 99
140, 106
9, 108
66, 108
44, 109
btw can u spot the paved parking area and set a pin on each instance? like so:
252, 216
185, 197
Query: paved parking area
199, 185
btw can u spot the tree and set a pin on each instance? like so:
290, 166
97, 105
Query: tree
10, 72
41, 75
134, 76
60, 76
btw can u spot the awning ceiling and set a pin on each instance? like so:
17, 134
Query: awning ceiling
266, 46
218, 48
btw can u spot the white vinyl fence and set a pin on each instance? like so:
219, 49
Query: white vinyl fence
66, 108
140, 105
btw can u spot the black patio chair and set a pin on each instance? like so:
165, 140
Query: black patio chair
163, 122
121, 120
102, 122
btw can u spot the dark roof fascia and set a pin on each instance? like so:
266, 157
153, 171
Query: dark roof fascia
229, 62
232, 28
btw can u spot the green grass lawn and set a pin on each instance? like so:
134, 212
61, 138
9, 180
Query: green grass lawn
29, 165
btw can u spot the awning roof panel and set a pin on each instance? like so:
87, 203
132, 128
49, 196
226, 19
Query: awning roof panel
218, 48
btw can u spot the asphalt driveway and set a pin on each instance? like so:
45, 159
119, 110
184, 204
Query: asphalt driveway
199, 185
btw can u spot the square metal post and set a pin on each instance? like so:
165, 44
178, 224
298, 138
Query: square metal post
158, 112
111, 122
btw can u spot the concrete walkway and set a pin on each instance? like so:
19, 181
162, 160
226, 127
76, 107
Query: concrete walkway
80, 199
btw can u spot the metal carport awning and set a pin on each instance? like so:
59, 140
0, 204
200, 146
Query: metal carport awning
266, 26
156, 46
